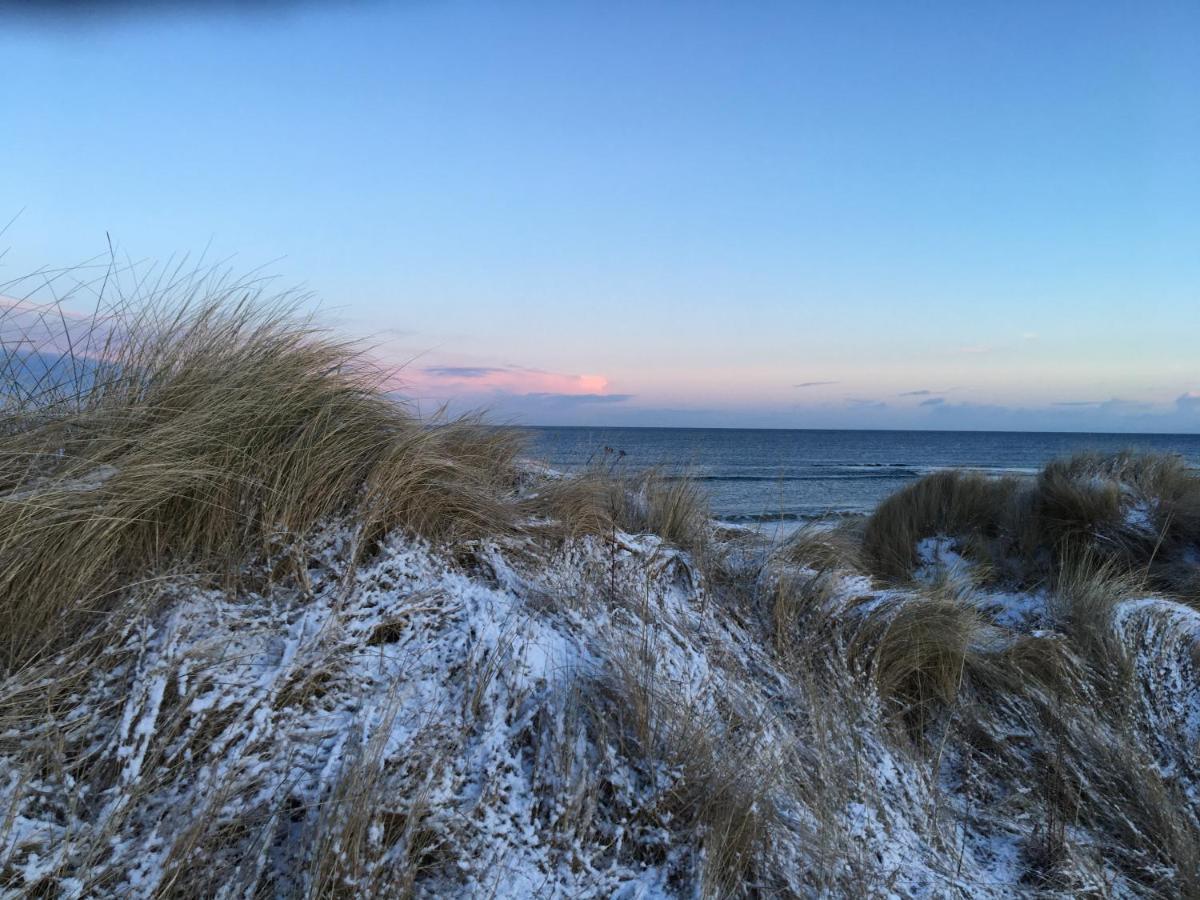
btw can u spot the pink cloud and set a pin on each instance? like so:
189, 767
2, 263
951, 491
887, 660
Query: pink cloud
49, 327
28, 326
473, 380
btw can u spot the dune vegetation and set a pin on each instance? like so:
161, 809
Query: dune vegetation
268, 633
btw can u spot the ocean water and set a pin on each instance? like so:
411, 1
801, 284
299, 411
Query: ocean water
761, 475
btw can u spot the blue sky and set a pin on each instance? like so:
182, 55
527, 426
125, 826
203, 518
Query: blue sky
934, 215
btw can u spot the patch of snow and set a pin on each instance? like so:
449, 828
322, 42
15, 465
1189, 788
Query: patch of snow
1024, 611
465, 716
939, 556
1139, 517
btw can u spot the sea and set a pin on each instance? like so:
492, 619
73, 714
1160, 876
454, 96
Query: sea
786, 476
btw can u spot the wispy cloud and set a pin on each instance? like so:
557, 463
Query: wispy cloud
920, 393
581, 399
866, 403
485, 382
808, 384
1112, 405
1189, 402
461, 371
932, 401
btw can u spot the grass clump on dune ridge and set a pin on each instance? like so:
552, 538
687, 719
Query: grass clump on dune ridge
919, 653
673, 507
1161, 480
1154, 535
601, 499
587, 503
945, 502
208, 426
203, 424
1073, 504
824, 548
1139, 512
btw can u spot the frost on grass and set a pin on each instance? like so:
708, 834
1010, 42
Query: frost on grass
515, 727
939, 556
593, 718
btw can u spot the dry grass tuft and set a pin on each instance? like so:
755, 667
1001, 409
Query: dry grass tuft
444, 481
601, 499
206, 430
1084, 506
952, 503
1073, 506
1139, 512
796, 608
673, 507
587, 503
1085, 593
918, 654
824, 549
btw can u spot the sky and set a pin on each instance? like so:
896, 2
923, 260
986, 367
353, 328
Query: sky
869, 215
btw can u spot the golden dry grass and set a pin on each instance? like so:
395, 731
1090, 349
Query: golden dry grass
949, 502
209, 425
208, 431
796, 607
838, 548
918, 653
603, 498
1072, 507
672, 506
590, 502
1138, 512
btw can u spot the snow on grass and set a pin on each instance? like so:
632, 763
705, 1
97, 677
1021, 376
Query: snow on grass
515, 721
1139, 517
938, 556
1019, 611
1163, 637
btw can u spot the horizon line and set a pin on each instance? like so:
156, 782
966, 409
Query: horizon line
1186, 434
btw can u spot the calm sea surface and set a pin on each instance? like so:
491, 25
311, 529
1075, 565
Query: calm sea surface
757, 475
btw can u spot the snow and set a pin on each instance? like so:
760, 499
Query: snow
939, 556
1164, 636
1139, 517
396, 693
1019, 611
470, 715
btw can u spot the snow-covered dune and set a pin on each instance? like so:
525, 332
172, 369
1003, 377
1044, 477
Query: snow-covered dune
587, 718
